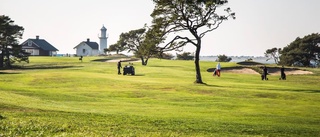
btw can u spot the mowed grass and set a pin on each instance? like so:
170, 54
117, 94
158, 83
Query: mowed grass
61, 96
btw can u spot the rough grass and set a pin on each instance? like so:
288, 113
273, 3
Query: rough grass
60, 96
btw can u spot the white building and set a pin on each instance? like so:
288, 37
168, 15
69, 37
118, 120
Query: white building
103, 40
87, 48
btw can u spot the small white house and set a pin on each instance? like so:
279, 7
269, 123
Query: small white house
87, 48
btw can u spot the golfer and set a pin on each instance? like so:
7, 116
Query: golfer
283, 75
265, 73
218, 69
119, 67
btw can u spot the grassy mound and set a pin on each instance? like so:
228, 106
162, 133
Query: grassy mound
60, 96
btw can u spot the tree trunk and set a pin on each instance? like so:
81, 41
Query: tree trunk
8, 63
142, 61
276, 59
1, 59
146, 62
197, 65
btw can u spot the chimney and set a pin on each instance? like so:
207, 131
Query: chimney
88, 40
37, 37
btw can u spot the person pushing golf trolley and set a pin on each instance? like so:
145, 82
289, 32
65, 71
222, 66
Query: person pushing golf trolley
216, 72
283, 75
264, 73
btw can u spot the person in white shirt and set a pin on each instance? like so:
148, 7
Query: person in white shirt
218, 69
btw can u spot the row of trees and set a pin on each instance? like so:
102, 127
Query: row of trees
301, 51
10, 50
190, 56
174, 19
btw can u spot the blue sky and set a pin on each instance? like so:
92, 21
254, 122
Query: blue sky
260, 24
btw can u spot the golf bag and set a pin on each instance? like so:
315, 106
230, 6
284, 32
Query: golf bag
264, 77
214, 73
283, 76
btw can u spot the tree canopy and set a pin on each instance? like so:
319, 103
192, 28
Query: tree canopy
223, 58
197, 17
10, 50
273, 53
117, 47
142, 42
302, 50
185, 56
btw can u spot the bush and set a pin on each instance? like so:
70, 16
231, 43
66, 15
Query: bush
223, 58
185, 56
165, 56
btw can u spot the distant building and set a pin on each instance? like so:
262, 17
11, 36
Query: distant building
87, 48
103, 40
39, 47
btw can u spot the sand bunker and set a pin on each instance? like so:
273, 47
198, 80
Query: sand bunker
241, 70
292, 72
272, 71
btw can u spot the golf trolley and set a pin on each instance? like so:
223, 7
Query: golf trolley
128, 69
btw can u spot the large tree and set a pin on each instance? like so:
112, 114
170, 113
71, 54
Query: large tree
196, 17
142, 42
301, 50
132, 41
10, 50
273, 53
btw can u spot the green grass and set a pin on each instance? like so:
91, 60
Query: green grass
60, 96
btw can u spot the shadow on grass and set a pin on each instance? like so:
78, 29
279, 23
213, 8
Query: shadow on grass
4, 73
101, 60
122, 59
135, 75
291, 90
14, 109
47, 66
208, 85
306, 91
166, 66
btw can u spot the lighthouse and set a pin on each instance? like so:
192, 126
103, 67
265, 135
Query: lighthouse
103, 39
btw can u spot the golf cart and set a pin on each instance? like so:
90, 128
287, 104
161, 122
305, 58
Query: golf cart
128, 69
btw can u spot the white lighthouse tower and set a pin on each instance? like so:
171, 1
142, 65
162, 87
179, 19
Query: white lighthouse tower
103, 39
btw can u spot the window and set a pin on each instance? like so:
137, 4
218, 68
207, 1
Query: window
83, 51
29, 43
